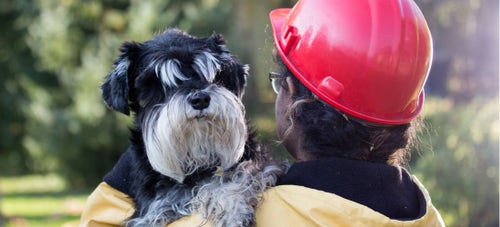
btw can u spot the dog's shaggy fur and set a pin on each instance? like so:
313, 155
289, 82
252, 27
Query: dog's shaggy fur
193, 150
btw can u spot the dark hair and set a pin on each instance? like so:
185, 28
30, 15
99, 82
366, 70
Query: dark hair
331, 133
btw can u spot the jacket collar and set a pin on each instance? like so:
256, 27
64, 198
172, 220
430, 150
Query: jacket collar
383, 188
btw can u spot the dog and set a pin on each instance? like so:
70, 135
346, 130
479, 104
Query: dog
194, 151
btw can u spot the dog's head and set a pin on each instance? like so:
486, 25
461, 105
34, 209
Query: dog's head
186, 93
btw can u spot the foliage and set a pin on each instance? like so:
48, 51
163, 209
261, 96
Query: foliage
460, 169
16, 71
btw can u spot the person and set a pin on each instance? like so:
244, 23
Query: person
349, 93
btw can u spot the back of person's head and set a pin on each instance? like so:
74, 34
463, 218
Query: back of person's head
327, 132
360, 67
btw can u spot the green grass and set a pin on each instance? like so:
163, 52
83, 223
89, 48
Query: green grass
39, 201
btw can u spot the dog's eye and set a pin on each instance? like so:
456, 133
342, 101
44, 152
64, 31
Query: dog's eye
178, 81
229, 81
220, 80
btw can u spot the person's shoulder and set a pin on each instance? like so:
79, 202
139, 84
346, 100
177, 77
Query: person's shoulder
106, 206
292, 205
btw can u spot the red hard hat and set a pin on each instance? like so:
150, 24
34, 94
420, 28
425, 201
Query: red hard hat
367, 58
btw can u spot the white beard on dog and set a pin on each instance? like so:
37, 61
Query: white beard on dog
180, 139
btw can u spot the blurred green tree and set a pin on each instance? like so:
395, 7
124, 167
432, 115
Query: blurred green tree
458, 156
459, 162
17, 73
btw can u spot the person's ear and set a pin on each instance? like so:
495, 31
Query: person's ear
291, 86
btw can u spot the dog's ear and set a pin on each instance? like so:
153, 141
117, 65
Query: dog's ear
115, 89
216, 42
242, 78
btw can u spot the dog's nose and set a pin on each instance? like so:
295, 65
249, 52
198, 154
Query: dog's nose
199, 100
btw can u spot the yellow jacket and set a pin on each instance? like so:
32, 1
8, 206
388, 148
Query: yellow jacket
284, 205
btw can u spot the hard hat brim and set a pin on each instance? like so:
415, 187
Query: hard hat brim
278, 18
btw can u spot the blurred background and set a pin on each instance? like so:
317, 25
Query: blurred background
57, 138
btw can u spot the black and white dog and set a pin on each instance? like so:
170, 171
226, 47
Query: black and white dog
193, 149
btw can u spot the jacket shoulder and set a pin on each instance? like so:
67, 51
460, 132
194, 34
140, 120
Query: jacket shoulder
106, 206
291, 205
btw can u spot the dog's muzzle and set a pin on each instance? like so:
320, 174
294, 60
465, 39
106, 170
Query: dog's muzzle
201, 129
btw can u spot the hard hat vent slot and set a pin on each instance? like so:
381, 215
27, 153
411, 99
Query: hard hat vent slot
289, 38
